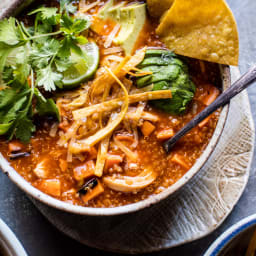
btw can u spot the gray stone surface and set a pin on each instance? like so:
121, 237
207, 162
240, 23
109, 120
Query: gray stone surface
40, 238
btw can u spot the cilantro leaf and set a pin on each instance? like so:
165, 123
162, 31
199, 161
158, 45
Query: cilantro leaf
24, 129
41, 55
7, 77
5, 50
66, 23
9, 33
67, 44
64, 51
48, 78
82, 40
7, 96
67, 6
80, 25
47, 108
73, 26
47, 15
16, 76
12, 113
16, 117
62, 64
11, 54
43, 49
77, 49
21, 73
42, 28
39, 95
18, 56
17, 71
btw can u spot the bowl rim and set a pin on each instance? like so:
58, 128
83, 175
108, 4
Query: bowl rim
10, 242
223, 240
90, 211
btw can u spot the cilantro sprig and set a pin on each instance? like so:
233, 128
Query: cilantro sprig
34, 58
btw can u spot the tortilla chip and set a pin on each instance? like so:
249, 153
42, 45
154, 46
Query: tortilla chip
157, 8
201, 29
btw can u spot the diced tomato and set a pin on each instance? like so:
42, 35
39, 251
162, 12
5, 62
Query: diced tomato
92, 193
126, 137
165, 134
50, 187
212, 95
15, 146
84, 171
64, 126
63, 165
111, 160
147, 128
205, 121
178, 159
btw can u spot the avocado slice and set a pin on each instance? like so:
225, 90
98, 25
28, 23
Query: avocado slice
163, 61
168, 73
160, 73
131, 19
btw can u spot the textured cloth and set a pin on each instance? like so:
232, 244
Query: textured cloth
195, 211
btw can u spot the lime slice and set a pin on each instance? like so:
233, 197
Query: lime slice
83, 68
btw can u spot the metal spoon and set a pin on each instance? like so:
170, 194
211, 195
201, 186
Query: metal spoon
242, 83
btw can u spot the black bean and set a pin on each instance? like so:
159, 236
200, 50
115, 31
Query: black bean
92, 183
14, 156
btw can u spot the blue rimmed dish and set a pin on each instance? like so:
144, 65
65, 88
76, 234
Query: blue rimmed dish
235, 240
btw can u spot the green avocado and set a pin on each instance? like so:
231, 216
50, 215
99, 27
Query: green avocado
168, 73
160, 73
131, 19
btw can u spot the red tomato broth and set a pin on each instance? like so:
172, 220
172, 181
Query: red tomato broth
150, 150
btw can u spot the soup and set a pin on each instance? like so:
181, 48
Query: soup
102, 95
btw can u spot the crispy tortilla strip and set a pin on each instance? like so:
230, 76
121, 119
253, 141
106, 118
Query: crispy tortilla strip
106, 131
116, 103
201, 29
101, 157
157, 8
128, 63
100, 82
104, 144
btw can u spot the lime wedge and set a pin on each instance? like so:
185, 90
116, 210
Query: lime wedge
83, 67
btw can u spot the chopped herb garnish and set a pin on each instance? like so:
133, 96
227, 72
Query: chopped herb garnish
35, 58
48, 79
67, 6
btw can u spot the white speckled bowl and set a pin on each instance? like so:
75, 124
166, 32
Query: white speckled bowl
9, 244
30, 190
239, 234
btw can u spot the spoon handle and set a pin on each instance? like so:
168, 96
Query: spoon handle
242, 83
